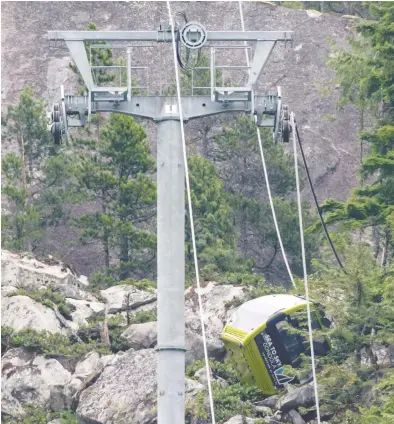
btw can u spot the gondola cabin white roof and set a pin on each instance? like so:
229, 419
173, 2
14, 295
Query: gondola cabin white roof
252, 314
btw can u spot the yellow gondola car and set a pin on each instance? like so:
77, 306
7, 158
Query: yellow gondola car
257, 340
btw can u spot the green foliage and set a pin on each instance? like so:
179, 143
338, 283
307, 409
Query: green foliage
237, 153
48, 343
90, 334
48, 298
215, 233
365, 74
36, 183
26, 123
293, 4
382, 409
360, 304
145, 316
109, 277
230, 399
35, 415
118, 343
233, 400
225, 370
116, 175
256, 215
236, 149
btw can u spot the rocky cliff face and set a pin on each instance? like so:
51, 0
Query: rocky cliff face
91, 382
104, 387
299, 68
53, 367
329, 135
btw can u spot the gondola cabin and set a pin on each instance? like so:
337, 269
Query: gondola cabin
257, 340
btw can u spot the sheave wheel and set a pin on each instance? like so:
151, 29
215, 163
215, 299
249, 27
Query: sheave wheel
56, 131
285, 125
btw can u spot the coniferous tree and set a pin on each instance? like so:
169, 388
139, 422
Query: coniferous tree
115, 174
213, 220
35, 180
371, 86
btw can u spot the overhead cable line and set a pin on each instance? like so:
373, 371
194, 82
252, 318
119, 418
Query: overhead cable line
301, 237
266, 173
189, 200
299, 204
243, 29
316, 201
273, 207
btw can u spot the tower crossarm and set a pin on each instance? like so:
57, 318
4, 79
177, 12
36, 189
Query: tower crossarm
165, 35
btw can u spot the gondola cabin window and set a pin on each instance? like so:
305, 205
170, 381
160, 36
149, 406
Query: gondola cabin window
291, 342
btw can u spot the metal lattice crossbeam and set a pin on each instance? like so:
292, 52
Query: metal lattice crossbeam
265, 42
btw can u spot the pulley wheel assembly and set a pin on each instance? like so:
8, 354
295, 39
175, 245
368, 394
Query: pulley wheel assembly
285, 124
56, 131
55, 116
193, 35
56, 124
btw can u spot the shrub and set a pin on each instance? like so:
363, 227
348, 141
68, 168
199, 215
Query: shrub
144, 316
102, 280
116, 326
234, 400
48, 297
45, 342
41, 416
225, 370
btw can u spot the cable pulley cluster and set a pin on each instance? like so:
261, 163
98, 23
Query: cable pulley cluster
192, 36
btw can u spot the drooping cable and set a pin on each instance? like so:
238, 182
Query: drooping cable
292, 121
265, 169
273, 207
189, 200
317, 203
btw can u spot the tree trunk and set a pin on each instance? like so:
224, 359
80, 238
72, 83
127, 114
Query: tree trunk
127, 302
24, 182
205, 141
105, 237
24, 170
385, 248
244, 225
376, 238
357, 356
104, 333
124, 256
106, 249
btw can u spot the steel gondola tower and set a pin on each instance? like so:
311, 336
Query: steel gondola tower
71, 112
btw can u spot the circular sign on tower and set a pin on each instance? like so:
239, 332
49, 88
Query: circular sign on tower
193, 35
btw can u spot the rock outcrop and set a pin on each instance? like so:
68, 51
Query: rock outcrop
115, 298
85, 309
240, 419
214, 297
31, 379
125, 392
296, 417
301, 396
141, 336
28, 273
118, 388
22, 312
